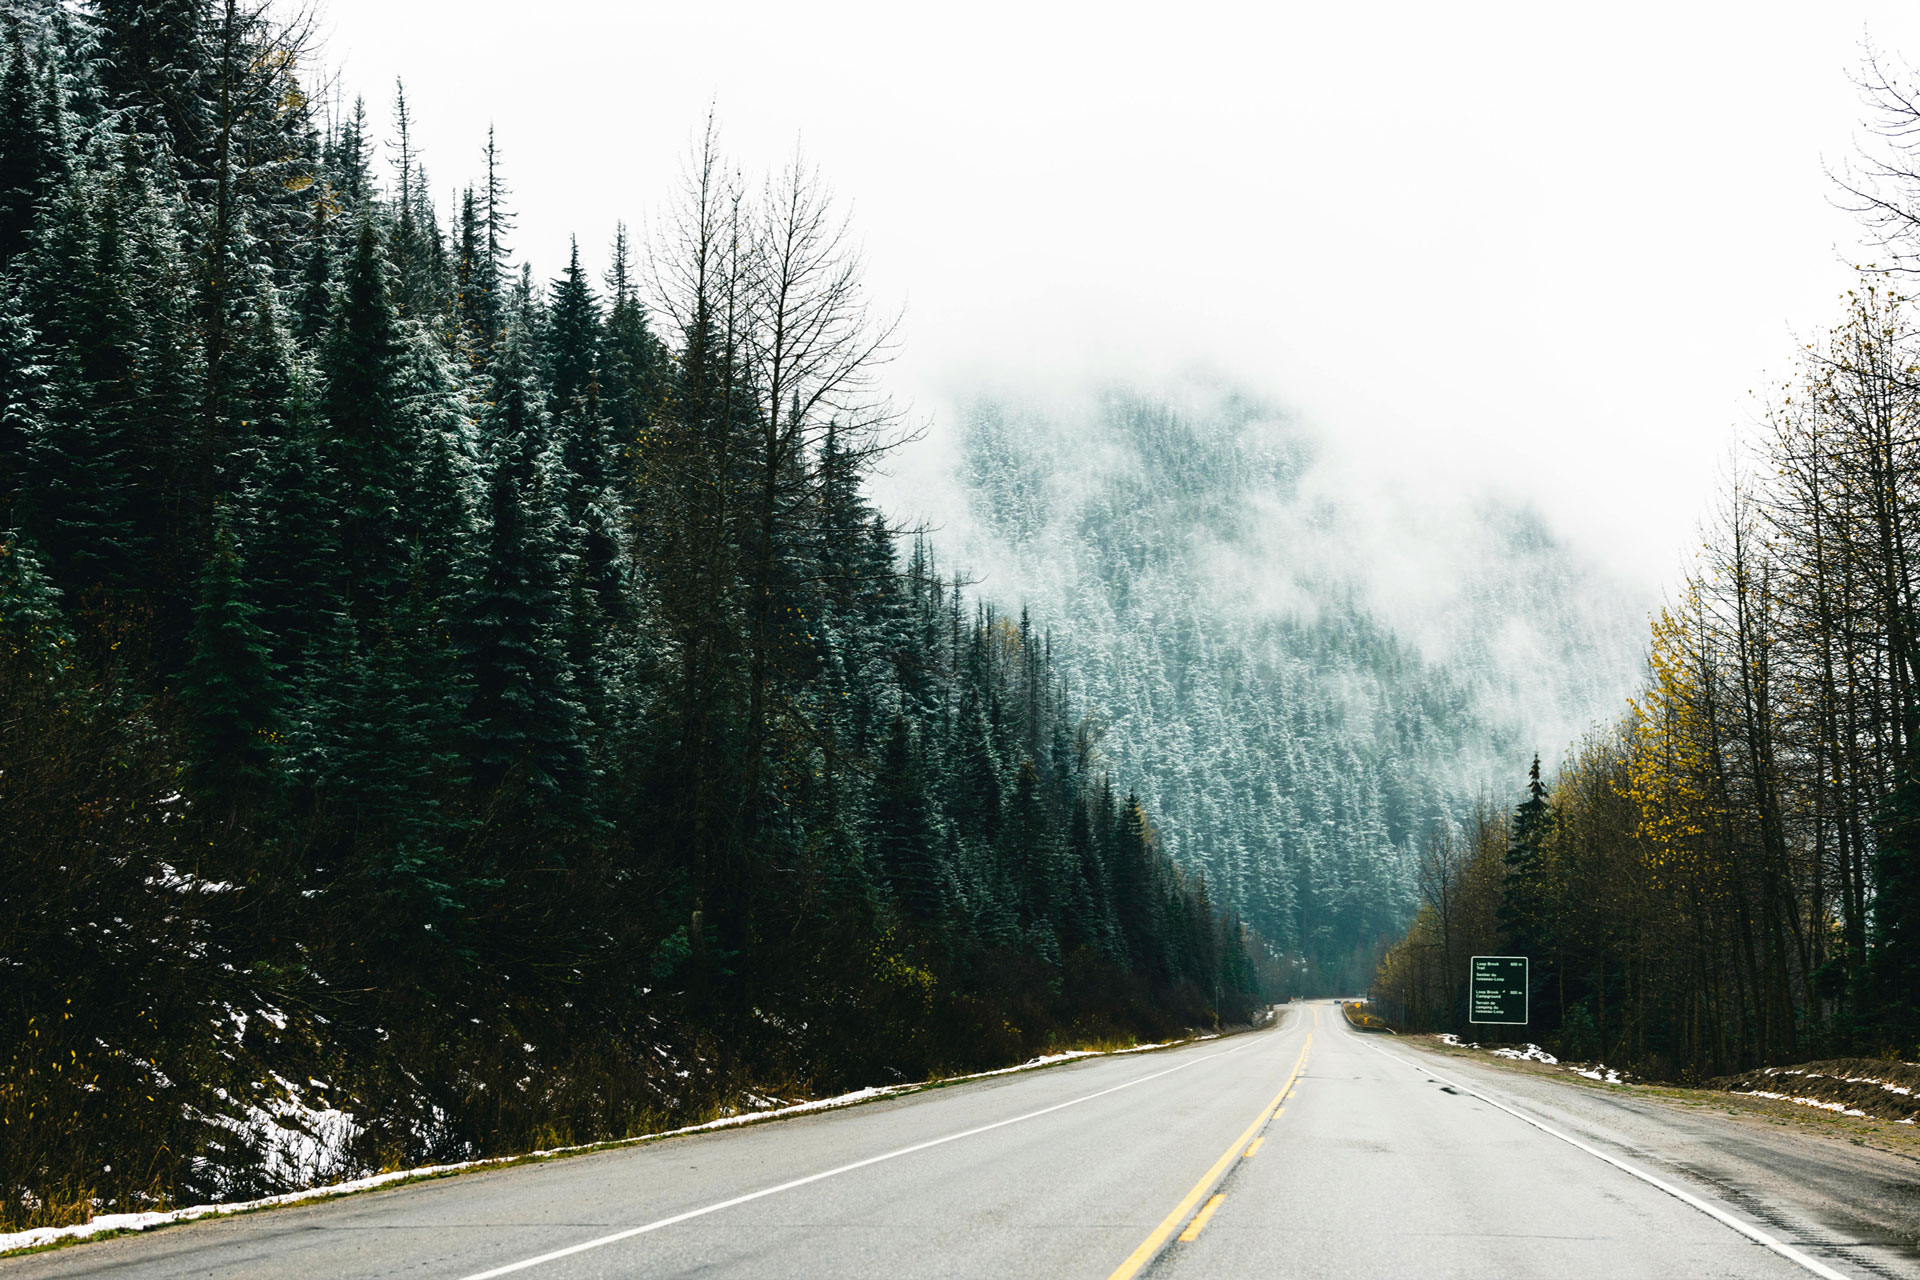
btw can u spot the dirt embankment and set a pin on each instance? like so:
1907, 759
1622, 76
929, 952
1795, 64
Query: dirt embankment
1868, 1087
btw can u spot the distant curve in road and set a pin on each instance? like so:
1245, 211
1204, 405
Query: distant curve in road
1305, 1150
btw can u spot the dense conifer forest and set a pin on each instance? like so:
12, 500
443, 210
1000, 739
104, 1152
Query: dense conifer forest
1727, 875
447, 708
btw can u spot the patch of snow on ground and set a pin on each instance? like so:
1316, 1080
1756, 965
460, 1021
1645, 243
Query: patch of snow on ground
1532, 1053
1888, 1085
1841, 1107
301, 1144
1045, 1060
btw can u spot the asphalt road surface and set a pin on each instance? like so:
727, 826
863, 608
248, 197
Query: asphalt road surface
1307, 1149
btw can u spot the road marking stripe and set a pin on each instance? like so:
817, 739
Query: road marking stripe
1200, 1220
631, 1232
1752, 1233
1141, 1256
1262, 1138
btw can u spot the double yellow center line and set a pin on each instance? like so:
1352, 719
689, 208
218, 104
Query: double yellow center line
1151, 1245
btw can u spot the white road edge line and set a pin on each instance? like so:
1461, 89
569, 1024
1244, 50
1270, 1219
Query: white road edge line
701, 1212
1746, 1229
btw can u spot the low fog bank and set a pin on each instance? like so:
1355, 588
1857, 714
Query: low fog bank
1273, 517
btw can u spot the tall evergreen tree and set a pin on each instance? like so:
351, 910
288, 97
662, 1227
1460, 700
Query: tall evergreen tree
371, 444
1525, 911
1030, 850
523, 719
22, 398
475, 289
901, 830
153, 66
84, 464
313, 300
631, 369
1136, 887
499, 222
27, 146
350, 160
230, 688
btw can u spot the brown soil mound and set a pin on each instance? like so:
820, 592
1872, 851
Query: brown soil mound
1878, 1087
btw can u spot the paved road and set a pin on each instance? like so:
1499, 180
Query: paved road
1310, 1149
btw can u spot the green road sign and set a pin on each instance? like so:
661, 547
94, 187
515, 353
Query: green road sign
1498, 992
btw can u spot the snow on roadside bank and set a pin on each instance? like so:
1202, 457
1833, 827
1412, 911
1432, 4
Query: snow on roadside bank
1841, 1107
1882, 1089
39, 1236
1534, 1053
1858, 1088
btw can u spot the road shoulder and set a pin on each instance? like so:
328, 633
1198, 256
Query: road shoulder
1744, 1109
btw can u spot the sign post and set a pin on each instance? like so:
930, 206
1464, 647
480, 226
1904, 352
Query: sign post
1498, 990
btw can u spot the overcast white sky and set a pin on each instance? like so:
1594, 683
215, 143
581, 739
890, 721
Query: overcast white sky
1547, 247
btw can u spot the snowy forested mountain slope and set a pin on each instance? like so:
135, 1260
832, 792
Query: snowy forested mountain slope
1304, 676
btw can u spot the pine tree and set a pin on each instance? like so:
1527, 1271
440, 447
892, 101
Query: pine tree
631, 370
371, 445
901, 829
22, 397
409, 250
1028, 848
83, 463
261, 387
321, 684
293, 539
313, 301
1136, 888
522, 718
1081, 894
350, 161
572, 339
230, 688
153, 67
475, 290
174, 437
572, 342
27, 148
499, 222
1524, 914
442, 522
395, 764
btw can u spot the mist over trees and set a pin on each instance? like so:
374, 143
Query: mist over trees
1295, 718
1726, 876
489, 697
